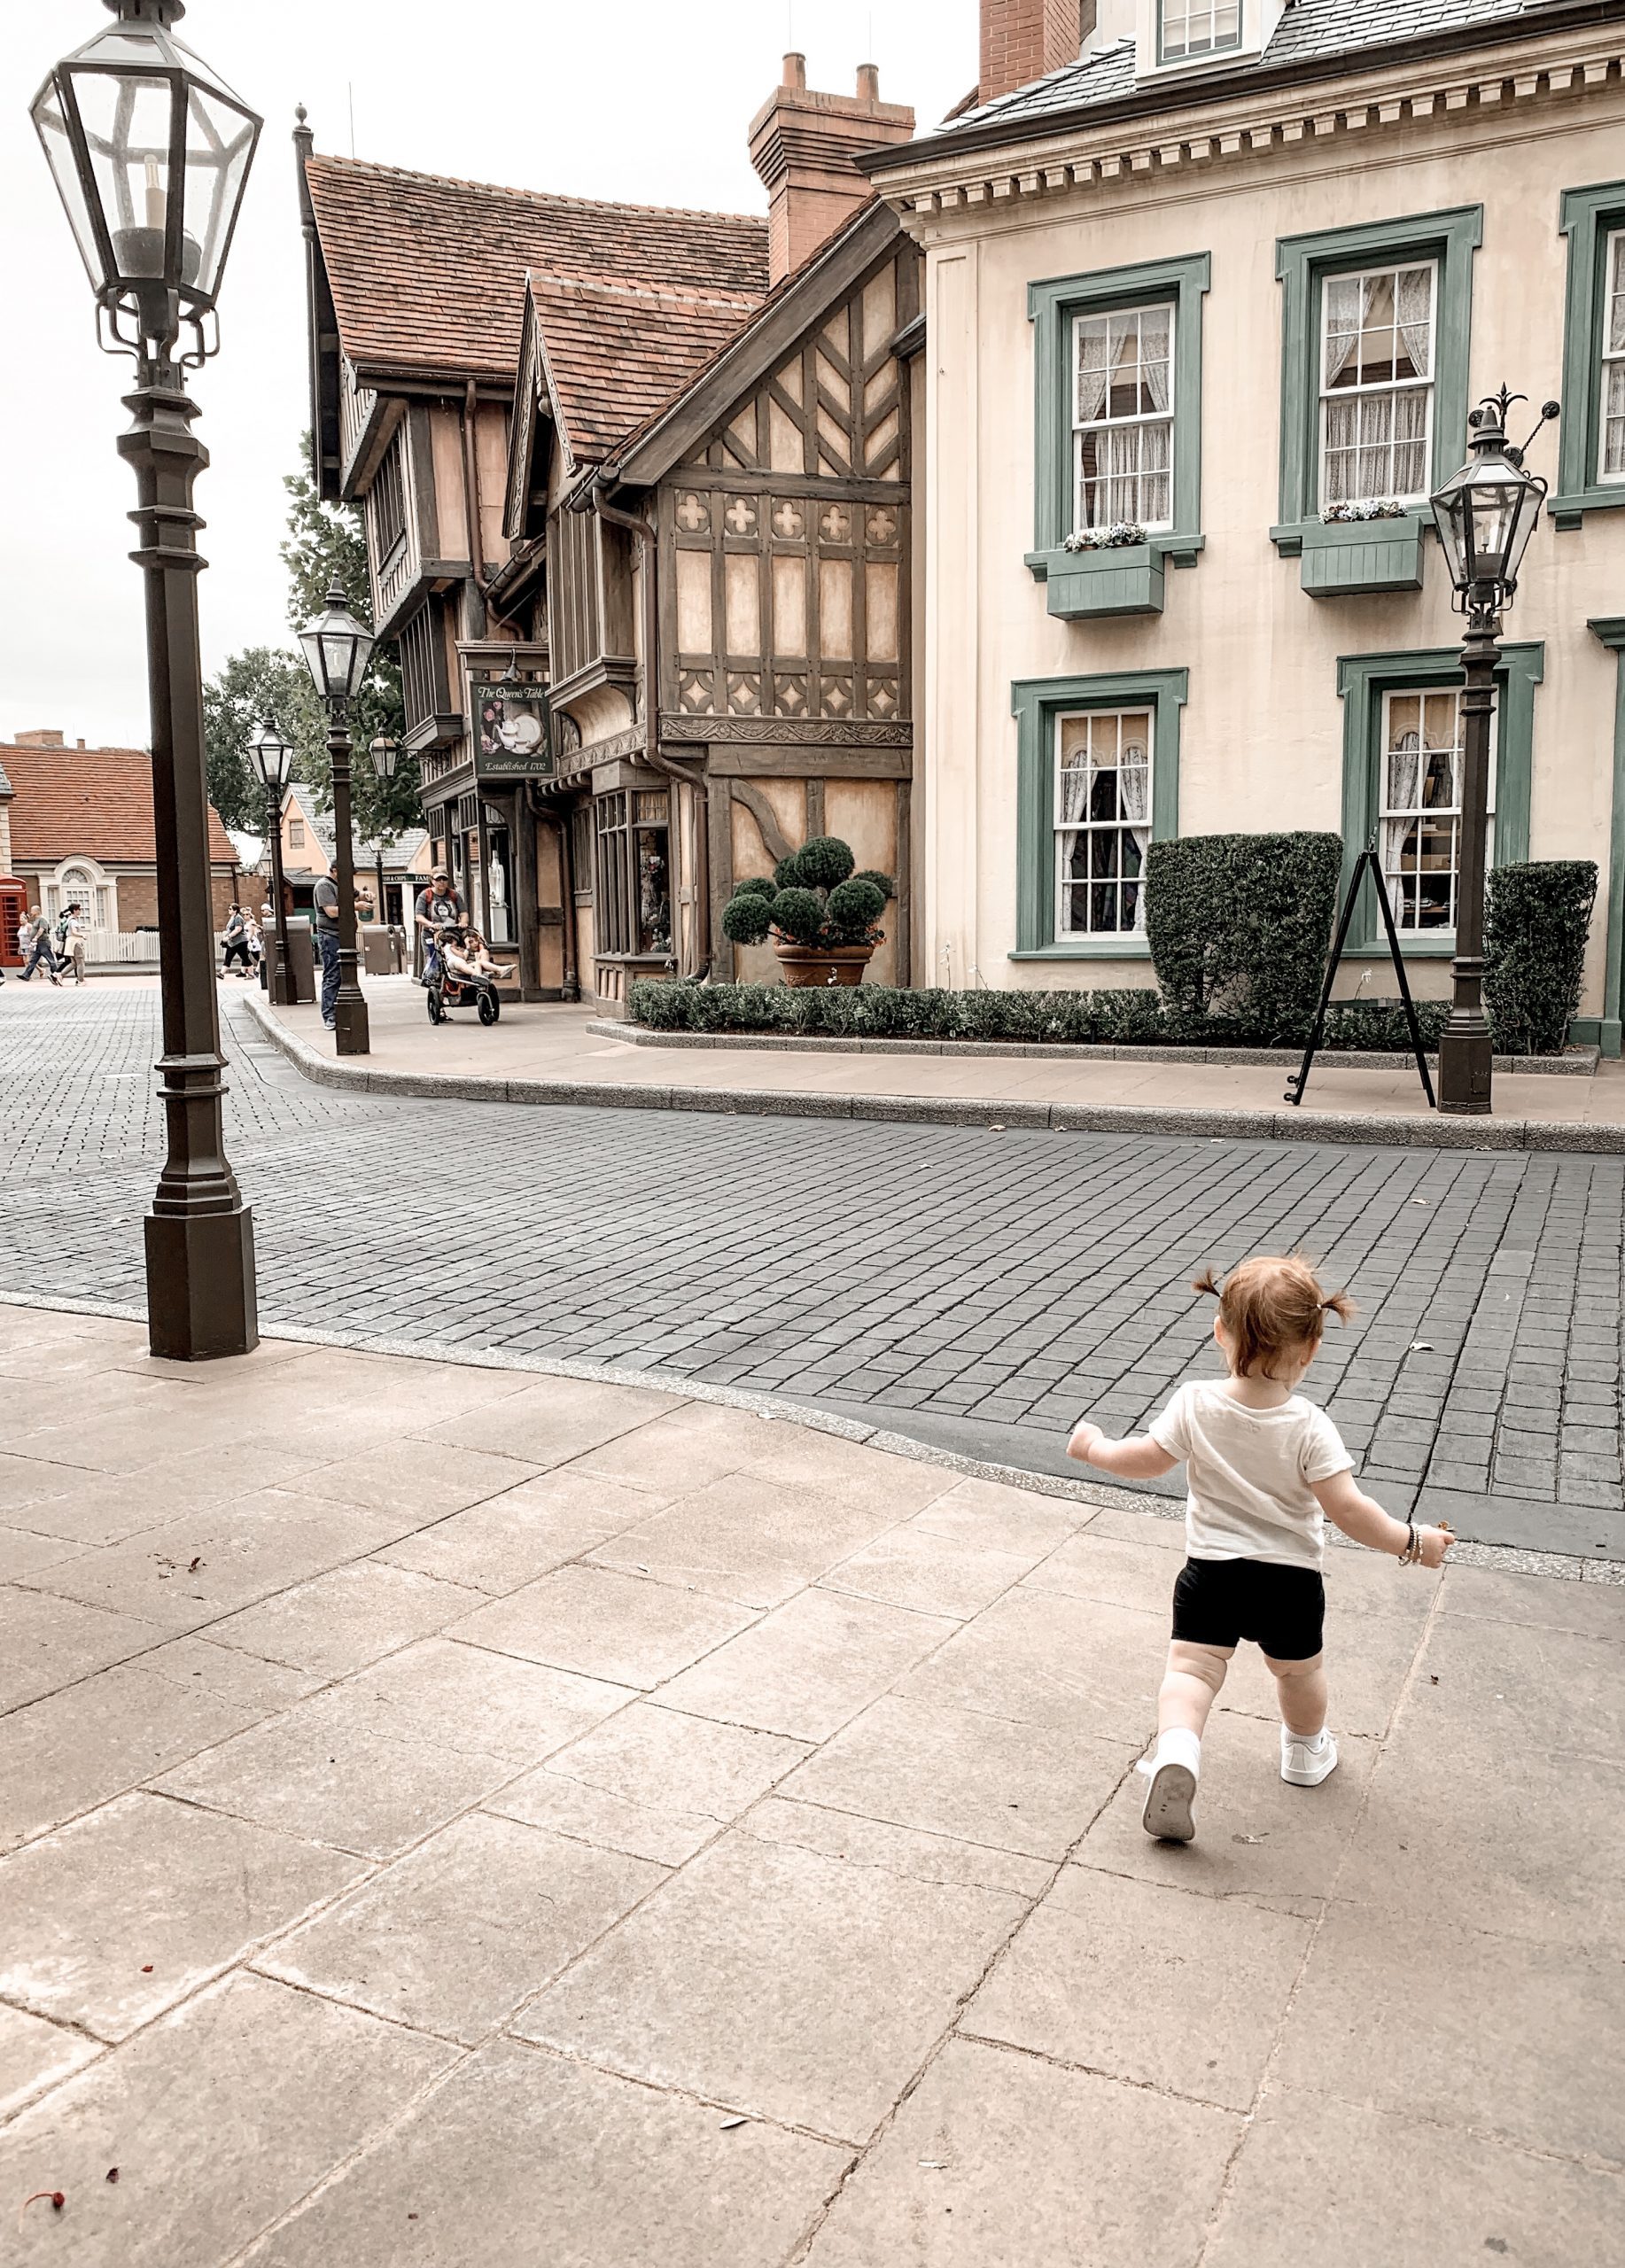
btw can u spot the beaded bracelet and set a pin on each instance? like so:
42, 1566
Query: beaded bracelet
1408, 1558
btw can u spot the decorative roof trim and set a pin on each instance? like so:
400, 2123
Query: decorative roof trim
1077, 151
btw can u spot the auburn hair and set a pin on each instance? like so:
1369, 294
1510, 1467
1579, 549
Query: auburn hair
1272, 1307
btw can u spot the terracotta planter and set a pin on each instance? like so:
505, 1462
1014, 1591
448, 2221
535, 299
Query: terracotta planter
824, 965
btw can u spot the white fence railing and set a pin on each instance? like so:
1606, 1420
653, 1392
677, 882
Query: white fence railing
109, 945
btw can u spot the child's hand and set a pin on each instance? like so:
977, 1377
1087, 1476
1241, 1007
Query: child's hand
1084, 1442
1435, 1543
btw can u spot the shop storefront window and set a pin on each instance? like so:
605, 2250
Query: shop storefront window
633, 873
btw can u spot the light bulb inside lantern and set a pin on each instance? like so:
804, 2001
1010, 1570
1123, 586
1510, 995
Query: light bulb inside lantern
155, 197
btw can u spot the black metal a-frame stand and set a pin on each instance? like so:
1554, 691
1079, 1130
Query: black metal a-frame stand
1367, 860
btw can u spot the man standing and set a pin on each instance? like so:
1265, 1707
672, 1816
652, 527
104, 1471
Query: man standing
439, 907
75, 937
326, 901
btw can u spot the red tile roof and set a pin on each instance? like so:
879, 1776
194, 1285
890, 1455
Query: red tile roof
427, 274
616, 354
92, 803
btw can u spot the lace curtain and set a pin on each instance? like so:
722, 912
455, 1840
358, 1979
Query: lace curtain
1134, 794
1124, 359
1375, 438
1405, 763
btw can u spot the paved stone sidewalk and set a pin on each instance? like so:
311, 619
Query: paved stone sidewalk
537, 1047
465, 1818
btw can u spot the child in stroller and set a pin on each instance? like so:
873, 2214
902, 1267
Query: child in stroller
462, 974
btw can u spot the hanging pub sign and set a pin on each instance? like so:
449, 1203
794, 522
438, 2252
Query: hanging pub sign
511, 739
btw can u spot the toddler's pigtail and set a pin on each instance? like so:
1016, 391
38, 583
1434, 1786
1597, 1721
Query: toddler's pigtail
1340, 1305
1207, 1282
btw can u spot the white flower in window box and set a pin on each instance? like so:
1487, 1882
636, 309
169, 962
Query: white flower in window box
1120, 536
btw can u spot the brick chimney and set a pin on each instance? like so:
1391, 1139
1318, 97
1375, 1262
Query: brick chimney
38, 740
803, 146
1022, 40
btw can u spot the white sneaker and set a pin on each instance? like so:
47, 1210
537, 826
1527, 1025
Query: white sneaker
1173, 1768
1305, 1763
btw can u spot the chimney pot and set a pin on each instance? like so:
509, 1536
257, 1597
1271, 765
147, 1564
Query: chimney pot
868, 82
78, 743
795, 74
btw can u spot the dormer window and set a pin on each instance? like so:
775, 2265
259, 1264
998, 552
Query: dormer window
1192, 28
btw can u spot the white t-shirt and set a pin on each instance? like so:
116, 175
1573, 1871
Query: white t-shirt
1249, 1474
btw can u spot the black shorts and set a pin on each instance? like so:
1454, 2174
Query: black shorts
1220, 1602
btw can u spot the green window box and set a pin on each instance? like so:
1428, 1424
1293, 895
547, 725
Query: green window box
1347, 557
1304, 265
1588, 217
1127, 579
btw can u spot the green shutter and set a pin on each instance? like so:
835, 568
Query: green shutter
1611, 630
1037, 703
1051, 307
1361, 681
1302, 264
1586, 217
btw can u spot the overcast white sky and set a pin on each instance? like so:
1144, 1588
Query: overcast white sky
645, 100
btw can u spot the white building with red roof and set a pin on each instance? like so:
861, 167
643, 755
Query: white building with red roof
76, 826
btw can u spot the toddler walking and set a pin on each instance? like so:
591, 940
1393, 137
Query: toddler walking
1265, 1470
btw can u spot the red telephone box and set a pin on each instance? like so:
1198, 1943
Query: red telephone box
13, 905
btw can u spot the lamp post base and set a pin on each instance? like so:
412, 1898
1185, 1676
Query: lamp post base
1464, 1069
350, 1028
200, 1286
283, 993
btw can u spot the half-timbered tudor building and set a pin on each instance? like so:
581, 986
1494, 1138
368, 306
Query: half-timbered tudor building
637, 490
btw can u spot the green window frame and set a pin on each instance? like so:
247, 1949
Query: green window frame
1302, 264
1588, 217
1052, 306
1038, 704
1605, 1031
1362, 681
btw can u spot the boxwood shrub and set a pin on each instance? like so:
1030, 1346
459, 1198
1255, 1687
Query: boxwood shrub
1537, 919
1239, 926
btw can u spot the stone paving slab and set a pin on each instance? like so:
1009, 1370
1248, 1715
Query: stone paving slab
823, 1931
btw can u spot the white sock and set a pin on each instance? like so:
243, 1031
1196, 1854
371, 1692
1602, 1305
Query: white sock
1177, 1746
1315, 1741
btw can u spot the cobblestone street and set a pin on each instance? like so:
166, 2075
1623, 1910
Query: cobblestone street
976, 1290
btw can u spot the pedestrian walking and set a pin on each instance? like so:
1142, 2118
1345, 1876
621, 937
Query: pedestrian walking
234, 940
1264, 1470
325, 898
76, 939
38, 947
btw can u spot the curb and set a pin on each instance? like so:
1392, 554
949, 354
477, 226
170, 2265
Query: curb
1580, 1063
1350, 1128
1097, 1496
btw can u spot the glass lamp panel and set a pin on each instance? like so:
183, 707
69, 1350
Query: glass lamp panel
126, 118
315, 660
1492, 510
50, 123
1526, 512
1449, 515
219, 142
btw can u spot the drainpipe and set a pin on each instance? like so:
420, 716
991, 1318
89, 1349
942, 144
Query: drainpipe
641, 526
470, 487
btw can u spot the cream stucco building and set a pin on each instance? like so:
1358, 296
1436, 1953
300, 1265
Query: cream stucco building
1231, 267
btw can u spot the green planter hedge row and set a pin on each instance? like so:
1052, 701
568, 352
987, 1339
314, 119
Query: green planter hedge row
1238, 927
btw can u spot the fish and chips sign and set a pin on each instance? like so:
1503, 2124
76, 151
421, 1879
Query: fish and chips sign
512, 736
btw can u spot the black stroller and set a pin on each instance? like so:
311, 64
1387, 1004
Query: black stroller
448, 990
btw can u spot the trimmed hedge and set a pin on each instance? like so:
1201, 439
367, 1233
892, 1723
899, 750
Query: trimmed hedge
1130, 1018
1537, 919
1239, 926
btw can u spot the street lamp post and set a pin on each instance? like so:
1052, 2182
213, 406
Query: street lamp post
1485, 515
273, 760
337, 649
150, 153
385, 753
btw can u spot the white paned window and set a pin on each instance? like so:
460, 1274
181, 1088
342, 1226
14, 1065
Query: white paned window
1199, 27
1376, 383
1420, 789
1613, 467
1102, 822
1122, 418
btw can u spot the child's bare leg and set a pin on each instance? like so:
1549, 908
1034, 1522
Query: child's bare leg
1302, 1691
1190, 1685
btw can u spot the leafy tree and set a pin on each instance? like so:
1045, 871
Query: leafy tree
262, 684
327, 542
